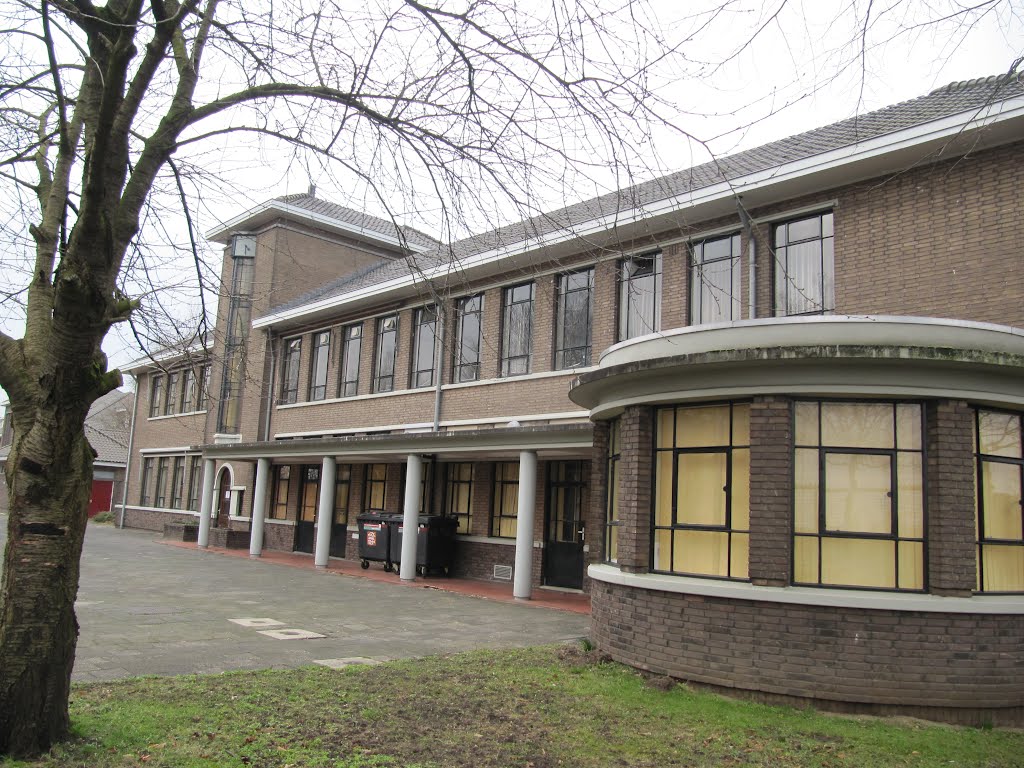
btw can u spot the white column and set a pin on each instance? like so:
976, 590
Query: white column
206, 507
522, 585
259, 507
325, 512
410, 525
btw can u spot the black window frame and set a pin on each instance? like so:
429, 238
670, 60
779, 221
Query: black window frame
517, 347
178, 482
156, 395
145, 495
631, 271
469, 332
171, 393
704, 313
351, 351
424, 330
195, 482
291, 362
498, 510
385, 354
612, 521
784, 287
160, 490
981, 459
452, 495
187, 401
319, 364
370, 482
574, 355
282, 481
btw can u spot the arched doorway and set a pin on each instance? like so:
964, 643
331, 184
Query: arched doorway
224, 483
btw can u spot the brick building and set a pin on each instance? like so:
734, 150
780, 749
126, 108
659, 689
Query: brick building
767, 411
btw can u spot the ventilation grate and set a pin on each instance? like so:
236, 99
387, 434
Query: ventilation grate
503, 572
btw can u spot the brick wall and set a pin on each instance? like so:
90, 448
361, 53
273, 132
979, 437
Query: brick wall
635, 488
926, 661
771, 490
950, 503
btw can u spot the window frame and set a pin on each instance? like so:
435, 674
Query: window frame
733, 572
282, 480
516, 352
370, 483
145, 497
825, 296
824, 532
195, 482
982, 541
291, 362
203, 397
499, 513
463, 369
453, 494
171, 393
612, 521
156, 395
178, 482
384, 377
188, 391
160, 490
424, 330
628, 296
351, 350
319, 364
698, 263
562, 351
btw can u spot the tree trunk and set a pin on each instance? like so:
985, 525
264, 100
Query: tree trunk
49, 487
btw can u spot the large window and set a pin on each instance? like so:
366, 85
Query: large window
639, 295
171, 400
318, 365
517, 330
351, 348
1000, 501
178, 483
715, 280
188, 390
243, 270
145, 492
387, 348
459, 495
612, 521
702, 490
342, 493
282, 485
156, 394
505, 502
290, 370
858, 492
195, 481
309, 493
804, 266
160, 494
573, 319
204, 388
423, 342
375, 493
469, 312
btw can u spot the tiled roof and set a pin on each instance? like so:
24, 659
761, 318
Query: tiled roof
359, 220
948, 100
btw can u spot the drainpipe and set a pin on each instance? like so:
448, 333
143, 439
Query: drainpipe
128, 463
270, 389
748, 227
438, 363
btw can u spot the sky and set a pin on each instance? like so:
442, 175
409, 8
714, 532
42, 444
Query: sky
806, 68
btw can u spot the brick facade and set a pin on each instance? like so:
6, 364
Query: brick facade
771, 490
636, 488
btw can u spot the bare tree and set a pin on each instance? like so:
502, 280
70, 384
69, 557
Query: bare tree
96, 100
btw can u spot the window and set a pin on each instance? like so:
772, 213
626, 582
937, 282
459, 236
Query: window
195, 482
204, 388
459, 495
290, 370
517, 330
376, 493
351, 347
178, 482
282, 483
156, 392
160, 495
469, 314
423, 343
804, 266
318, 366
309, 494
171, 399
565, 502
1000, 509
387, 348
612, 521
342, 493
147, 475
243, 270
573, 319
702, 490
715, 280
505, 503
858, 495
188, 391
639, 295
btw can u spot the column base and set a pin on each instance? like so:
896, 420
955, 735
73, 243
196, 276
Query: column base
254, 556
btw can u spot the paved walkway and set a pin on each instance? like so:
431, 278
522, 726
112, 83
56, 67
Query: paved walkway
148, 608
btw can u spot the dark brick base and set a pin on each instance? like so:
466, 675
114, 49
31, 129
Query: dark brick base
181, 532
965, 668
476, 560
153, 521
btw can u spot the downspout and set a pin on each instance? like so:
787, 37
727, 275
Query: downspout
270, 389
128, 463
438, 363
748, 228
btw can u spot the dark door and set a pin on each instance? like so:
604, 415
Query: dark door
309, 493
224, 499
563, 552
339, 526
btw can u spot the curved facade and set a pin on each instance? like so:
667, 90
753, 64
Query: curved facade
819, 508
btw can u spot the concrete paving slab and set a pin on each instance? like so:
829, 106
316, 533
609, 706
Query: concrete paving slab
148, 608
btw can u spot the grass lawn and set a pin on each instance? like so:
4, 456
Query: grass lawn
538, 707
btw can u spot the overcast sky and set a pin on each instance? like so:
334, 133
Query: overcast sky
802, 72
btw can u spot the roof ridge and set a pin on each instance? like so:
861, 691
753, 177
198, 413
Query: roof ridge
962, 85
